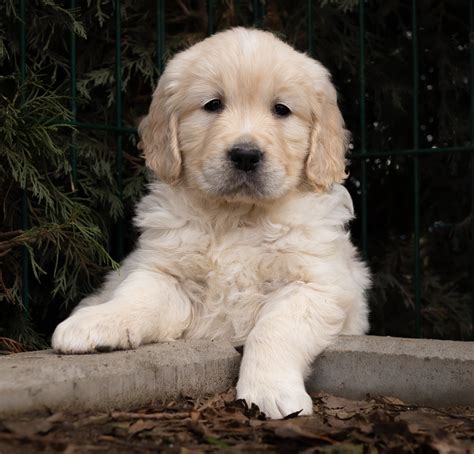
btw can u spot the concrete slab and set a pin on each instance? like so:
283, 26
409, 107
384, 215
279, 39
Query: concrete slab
426, 372
417, 371
46, 381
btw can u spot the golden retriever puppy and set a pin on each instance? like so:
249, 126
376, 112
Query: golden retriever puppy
244, 235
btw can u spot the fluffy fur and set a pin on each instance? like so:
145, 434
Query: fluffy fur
262, 257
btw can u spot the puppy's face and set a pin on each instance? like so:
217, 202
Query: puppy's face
242, 116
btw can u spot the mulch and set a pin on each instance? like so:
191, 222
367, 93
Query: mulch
221, 424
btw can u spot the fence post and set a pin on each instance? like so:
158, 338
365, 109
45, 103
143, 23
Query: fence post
471, 49
363, 141
118, 124
73, 58
416, 172
25, 262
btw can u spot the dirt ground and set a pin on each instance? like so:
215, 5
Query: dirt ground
220, 424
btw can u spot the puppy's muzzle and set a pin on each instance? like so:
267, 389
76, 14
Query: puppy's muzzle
245, 157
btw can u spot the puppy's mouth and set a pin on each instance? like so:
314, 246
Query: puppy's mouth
237, 183
228, 182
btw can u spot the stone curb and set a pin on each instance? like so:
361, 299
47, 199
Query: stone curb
417, 371
424, 372
43, 380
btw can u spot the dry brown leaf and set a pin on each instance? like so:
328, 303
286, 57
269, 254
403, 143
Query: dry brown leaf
140, 426
333, 402
295, 429
344, 408
199, 428
340, 448
256, 423
391, 400
449, 445
190, 451
161, 415
195, 415
56, 417
71, 449
91, 420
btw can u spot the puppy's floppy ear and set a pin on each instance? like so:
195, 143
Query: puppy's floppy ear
159, 137
329, 139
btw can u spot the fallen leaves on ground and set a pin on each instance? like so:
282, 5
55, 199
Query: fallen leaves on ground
222, 424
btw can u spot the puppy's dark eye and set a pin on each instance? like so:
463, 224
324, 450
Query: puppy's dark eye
281, 110
214, 105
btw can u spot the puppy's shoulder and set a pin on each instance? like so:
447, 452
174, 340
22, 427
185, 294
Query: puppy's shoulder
164, 207
333, 207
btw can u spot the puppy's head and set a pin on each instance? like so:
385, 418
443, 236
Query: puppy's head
243, 116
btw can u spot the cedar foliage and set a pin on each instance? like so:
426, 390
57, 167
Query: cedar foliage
74, 211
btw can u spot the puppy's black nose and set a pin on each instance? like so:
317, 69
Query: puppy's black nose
245, 156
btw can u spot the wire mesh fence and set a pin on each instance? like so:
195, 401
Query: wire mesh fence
362, 155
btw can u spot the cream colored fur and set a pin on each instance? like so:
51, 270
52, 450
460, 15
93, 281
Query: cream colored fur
263, 259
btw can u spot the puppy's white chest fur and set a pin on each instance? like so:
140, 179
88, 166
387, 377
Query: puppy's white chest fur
231, 265
244, 268
228, 267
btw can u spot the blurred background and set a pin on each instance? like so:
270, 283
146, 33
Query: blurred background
76, 76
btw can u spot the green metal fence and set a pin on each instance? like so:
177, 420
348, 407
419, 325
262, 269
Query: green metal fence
363, 155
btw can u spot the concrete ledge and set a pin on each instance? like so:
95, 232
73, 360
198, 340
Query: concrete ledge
426, 372
44, 380
417, 371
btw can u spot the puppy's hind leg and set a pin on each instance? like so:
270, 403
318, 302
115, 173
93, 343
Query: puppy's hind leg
147, 306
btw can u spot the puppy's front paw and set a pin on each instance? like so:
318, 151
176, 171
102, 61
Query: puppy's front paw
93, 329
276, 398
